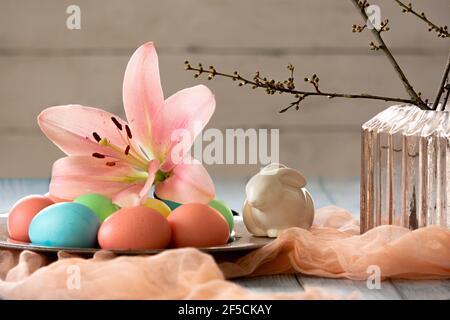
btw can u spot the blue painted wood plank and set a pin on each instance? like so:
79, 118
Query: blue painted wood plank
12, 190
343, 192
423, 289
347, 287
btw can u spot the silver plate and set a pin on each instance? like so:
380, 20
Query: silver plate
243, 241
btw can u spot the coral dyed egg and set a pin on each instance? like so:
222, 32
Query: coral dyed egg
99, 204
21, 214
224, 210
158, 205
197, 225
135, 228
66, 224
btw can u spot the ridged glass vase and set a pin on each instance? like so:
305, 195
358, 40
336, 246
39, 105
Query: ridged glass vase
405, 168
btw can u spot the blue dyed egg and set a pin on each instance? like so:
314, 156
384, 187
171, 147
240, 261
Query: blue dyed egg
67, 224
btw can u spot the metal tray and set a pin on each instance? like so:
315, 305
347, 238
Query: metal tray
241, 241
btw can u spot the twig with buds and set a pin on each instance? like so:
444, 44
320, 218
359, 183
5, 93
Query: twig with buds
442, 31
381, 45
288, 86
445, 85
272, 86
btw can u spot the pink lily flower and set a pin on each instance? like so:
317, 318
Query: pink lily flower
121, 159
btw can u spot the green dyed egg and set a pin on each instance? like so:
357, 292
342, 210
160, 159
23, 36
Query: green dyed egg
224, 210
99, 204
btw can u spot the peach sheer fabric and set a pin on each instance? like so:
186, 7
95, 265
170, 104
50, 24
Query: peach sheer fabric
332, 248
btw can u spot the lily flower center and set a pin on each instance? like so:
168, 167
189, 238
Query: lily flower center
130, 154
160, 176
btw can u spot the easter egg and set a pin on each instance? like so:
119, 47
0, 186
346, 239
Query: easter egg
66, 224
197, 225
21, 214
99, 204
135, 228
171, 204
158, 205
224, 210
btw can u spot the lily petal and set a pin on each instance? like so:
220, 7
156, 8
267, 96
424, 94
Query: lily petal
176, 126
128, 197
76, 175
136, 194
142, 93
71, 128
189, 182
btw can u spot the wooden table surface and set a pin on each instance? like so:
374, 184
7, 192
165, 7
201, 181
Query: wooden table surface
343, 192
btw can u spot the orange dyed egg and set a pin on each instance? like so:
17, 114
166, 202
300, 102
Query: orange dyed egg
21, 214
197, 225
134, 228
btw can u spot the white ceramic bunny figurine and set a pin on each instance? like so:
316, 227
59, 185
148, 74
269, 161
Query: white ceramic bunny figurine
277, 200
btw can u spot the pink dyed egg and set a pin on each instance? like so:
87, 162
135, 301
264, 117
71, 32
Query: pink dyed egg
21, 214
134, 228
197, 225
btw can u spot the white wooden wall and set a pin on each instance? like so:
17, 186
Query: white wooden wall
42, 63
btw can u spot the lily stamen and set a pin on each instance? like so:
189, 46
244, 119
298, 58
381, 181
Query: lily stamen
129, 135
132, 150
128, 157
126, 141
96, 136
117, 123
113, 163
98, 155
119, 126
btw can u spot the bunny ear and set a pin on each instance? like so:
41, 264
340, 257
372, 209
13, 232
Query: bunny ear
292, 177
273, 166
271, 169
